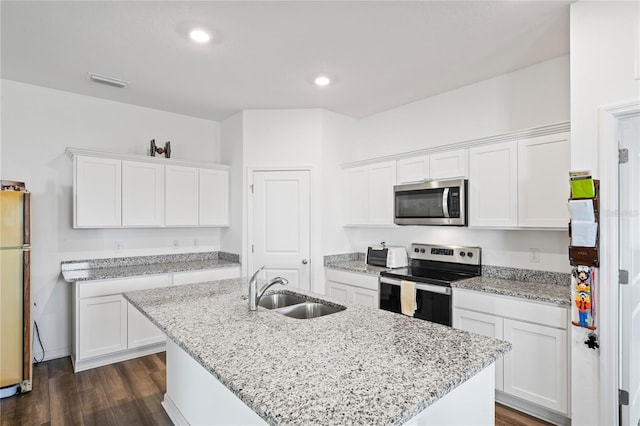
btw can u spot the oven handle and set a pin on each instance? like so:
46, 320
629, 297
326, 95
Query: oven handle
445, 202
419, 286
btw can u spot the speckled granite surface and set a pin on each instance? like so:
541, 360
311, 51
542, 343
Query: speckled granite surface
540, 292
121, 267
358, 366
526, 275
352, 262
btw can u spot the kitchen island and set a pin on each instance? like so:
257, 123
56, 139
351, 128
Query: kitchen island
358, 366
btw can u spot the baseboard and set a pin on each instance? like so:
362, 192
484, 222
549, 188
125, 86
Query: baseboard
87, 364
52, 354
172, 411
532, 409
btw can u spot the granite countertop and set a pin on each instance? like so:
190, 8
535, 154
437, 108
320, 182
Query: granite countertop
122, 267
539, 286
539, 292
357, 366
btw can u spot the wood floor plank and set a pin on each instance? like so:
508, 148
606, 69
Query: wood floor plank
128, 392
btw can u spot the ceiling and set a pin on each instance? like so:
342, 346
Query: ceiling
379, 54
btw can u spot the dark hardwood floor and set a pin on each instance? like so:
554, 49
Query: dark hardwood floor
126, 393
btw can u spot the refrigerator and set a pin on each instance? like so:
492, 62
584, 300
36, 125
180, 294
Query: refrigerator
15, 295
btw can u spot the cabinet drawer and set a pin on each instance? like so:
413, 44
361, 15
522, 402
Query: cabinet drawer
104, 287
509, 307
353, 278
191, 277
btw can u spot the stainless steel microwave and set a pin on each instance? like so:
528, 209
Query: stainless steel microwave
439, 202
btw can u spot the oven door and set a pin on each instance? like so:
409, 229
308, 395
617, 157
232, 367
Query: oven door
434, 301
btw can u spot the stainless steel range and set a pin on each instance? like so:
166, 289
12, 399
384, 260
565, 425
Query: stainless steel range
431, 269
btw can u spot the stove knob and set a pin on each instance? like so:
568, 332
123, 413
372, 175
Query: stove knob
422, 250
416, 250
469, 254
462, 254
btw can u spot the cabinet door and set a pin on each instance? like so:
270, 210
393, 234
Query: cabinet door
536, 369
97, 197
366, 297
484, 325
493, 185
448, 165
356, 196
214, 197
382, 177
181, 196
142, 194
140, 330
543, 183
412, 170
337, 291
102, 325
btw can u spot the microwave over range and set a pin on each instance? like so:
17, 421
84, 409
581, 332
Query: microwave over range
439, 202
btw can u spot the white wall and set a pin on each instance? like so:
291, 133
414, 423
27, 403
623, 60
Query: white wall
231, 153
526, 98
533, 96
37, 125
604, 37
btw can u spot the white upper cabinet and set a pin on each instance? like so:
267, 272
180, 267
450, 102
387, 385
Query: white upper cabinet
142, 194
493, 185
132, 191
368, 194
449, 164
543, 181
412, 170
97, 192
214, 198
520, 184
181, 202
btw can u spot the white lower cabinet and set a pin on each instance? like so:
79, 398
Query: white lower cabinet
536, 370
353, 287
109, 329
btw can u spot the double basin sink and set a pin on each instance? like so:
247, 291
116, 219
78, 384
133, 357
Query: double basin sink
297, 306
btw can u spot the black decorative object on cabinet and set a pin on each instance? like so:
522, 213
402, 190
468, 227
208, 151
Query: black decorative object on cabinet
154, 149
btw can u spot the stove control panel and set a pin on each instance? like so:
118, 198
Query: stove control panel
454, 254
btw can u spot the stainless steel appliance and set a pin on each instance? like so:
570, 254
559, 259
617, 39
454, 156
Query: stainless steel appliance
432, 269
387, 256
439, 202
15, 297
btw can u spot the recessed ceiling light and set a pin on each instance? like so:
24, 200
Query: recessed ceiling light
200, 36
109, 81
322, 80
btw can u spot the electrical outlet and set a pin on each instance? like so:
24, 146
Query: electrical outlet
196, 242
176, 244
534, 255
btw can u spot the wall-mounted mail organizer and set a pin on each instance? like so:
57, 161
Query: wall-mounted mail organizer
584, 255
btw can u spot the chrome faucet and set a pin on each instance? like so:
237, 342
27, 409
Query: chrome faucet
254, 294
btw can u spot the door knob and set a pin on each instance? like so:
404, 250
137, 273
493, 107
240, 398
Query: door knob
305, 261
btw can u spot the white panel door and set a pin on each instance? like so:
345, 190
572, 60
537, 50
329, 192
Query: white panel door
214, 197
98, 196
337, 291
281, 225
412, 170
536, 368
181, 196
140, 330
382, 177
448, 165
142, 194
543, 183
102, 325
484, 325
493, 185
356, 196
366, 297
629, 200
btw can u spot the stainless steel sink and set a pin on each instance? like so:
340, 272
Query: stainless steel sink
280, 300
309, 310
